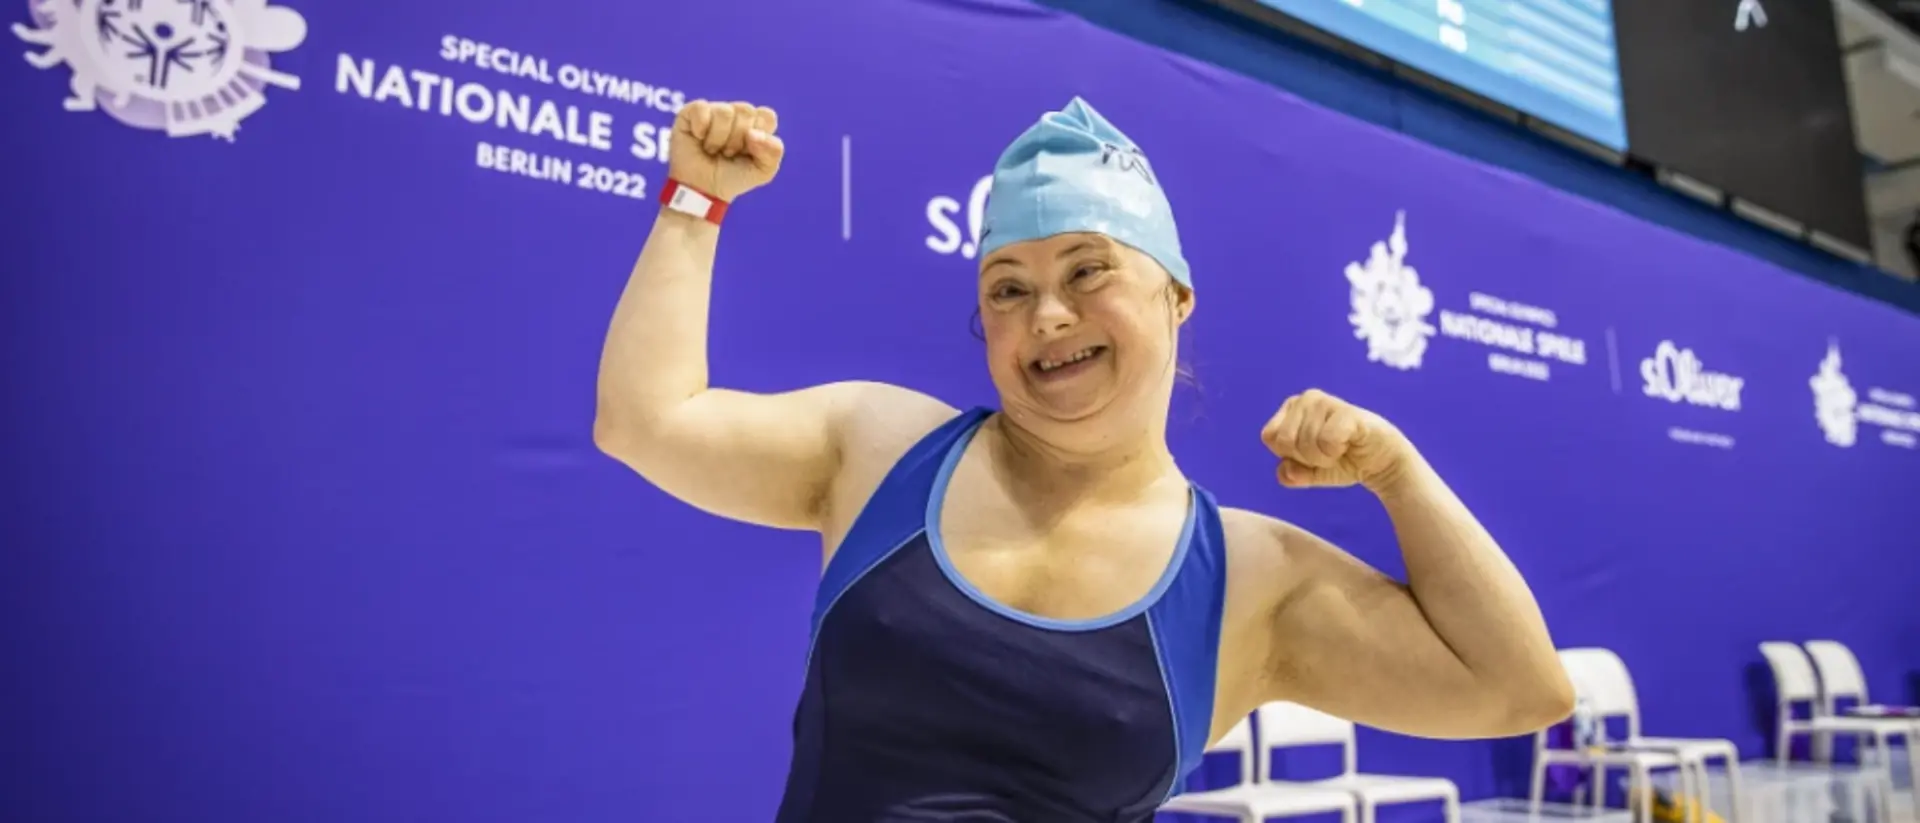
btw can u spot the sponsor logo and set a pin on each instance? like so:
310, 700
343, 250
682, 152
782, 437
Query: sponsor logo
1834, 400
1839, 411
183, 67
1389, 307
1677, 375
948, 237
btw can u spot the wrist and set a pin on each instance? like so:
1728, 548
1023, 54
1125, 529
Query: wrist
1402, 477
699, 202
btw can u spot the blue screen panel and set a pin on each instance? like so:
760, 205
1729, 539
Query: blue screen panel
1553, 59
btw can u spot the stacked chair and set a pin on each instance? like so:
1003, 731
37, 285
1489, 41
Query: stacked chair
1825, 675
1353, 794
1604, 685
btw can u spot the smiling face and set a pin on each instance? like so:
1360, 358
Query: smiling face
1080, 329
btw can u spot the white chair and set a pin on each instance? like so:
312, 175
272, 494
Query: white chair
1794, 682
1841, 679
1289, 725
1255, 801
1602, 681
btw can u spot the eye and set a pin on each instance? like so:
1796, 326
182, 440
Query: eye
1008, 291
1086, 272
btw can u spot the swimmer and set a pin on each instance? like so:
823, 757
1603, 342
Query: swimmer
1028, 613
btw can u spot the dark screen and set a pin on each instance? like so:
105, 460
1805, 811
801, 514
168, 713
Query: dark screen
1761, 113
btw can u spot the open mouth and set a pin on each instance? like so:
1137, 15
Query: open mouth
1069, 365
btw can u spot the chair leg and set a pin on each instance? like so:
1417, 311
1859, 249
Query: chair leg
1453, 807
1909, 737
1366, 811
1886, 774
1735, 798
1860, 801
1637, 785
1539, 788
1703, 810
1882, 777
1686, 783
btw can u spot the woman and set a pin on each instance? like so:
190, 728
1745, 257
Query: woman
1030, 614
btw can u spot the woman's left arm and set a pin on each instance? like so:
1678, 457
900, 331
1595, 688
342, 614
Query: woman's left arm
1459, 651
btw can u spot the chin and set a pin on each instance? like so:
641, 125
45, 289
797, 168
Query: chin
1062, 413
1076, 407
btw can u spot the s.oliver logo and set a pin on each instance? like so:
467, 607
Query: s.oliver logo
1677, 375
943, 214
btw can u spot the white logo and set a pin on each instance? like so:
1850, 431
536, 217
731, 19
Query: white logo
941, 212
1390, 307
1749, 15
1834, 400
1675, 374
186, 67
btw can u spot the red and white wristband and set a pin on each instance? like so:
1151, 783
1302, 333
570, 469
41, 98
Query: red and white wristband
686, 199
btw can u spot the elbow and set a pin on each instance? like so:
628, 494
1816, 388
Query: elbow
1548, 702
609, 434
607, 437
617, 434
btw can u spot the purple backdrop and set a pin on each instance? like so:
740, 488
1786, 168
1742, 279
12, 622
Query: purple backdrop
304, 522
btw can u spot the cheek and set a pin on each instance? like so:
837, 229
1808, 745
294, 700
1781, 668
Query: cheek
1003, 343
997, 328
1137, 328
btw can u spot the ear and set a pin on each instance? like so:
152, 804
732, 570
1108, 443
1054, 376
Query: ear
1183, 302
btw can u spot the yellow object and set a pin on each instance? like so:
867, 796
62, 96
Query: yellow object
1668, 809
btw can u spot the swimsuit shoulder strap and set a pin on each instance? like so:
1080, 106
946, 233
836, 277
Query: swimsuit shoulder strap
895, 513
1185, 624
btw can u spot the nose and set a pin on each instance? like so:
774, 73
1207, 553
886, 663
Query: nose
1052, 316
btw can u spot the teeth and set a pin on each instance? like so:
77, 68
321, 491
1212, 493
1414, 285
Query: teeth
1050, 365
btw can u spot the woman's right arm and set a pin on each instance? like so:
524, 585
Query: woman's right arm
768, 459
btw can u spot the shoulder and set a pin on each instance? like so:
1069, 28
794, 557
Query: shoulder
1262, 565
874, 425
877, 419
1264, 573
1272, 563
1285, 586
1256, 542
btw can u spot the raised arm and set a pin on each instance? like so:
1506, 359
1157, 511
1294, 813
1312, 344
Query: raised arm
1458, 651
768, 459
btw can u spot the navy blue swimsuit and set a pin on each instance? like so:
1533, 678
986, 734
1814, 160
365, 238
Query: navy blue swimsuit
926, 700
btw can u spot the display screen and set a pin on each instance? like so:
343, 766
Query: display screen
1551, 59
1749, 97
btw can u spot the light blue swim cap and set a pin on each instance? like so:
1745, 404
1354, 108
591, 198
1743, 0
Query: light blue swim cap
1071, 172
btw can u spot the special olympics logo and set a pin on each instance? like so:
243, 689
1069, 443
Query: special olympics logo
186, 67
1390, 307
1834, 400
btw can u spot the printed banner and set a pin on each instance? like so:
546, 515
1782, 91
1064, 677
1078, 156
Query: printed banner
308, 301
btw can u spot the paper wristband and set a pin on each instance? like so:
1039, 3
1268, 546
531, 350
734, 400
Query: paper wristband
686, 199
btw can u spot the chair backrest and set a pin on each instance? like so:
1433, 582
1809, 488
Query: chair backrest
1290, 725
1239, 740
1793, 678
1600, 677
1840, 674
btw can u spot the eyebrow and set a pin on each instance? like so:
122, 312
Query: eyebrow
1069, 251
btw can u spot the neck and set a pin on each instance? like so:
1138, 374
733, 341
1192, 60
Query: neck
1118, 464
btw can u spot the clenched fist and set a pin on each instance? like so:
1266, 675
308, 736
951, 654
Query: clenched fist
1323, 441
725, 149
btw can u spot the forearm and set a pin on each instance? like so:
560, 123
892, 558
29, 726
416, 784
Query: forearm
1469, 591
655, 353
